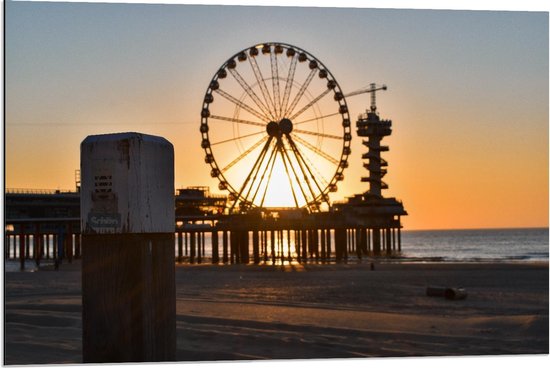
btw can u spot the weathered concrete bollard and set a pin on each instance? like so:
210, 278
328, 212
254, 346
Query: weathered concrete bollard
128, 224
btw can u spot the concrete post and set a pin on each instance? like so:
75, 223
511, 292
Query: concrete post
128, 273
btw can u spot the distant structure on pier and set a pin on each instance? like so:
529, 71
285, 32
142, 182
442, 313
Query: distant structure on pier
379, 215
197, 202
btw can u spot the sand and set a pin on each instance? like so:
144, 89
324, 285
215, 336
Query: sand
314, 311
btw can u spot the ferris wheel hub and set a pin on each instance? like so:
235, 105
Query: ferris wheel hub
285, 125
275, 129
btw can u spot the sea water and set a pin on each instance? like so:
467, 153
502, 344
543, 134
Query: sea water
476, 245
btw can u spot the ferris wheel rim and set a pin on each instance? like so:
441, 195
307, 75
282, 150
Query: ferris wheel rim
319, 66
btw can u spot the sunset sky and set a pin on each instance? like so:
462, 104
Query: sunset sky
467, 94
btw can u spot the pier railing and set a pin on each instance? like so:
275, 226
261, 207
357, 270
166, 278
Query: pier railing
38, 191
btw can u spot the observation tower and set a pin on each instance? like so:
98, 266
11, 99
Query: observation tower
375, 129
377, 216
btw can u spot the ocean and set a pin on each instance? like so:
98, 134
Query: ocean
476, 245
483, 245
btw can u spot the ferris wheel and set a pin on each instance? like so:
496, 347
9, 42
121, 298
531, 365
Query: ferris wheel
275, 129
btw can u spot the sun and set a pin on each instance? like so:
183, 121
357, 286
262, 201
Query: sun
280, 189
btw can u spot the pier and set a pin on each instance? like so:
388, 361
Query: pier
274, 236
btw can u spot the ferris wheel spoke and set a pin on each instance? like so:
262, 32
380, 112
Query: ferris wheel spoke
269, 166
301, 164
261, 179
275, 83
261, 82
244, 154
288, 175
316, 118
234, 120
317, 134
254, 169
285, 154
274, 154
317, 174
259, 115
289, 82
250, 92
317, 150
311, 103
237, 138
300, 93
297, 152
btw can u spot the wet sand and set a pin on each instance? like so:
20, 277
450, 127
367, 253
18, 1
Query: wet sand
300, 312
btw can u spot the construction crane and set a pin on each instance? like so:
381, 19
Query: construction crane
372, 90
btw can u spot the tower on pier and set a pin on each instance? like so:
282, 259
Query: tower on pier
379, 217
375, 129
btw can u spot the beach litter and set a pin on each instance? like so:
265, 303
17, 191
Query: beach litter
447, 292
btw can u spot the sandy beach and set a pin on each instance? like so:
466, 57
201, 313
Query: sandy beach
246, 312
